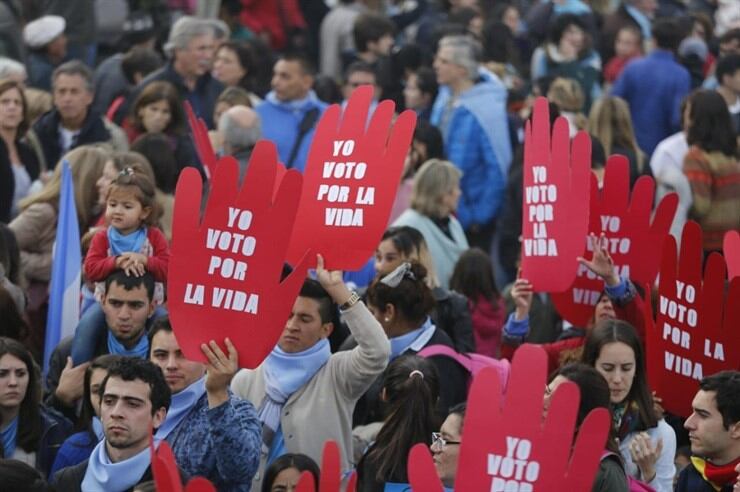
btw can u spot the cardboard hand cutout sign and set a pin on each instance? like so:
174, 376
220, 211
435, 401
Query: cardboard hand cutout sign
555, 198
697, 327
203, 145
508, 446
630, 238
731, 250
167, 476
350, 181
330, 479
224, 274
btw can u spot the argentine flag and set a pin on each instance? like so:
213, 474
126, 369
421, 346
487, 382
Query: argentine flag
64, 289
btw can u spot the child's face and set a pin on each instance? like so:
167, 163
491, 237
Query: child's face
626, 44
124, 211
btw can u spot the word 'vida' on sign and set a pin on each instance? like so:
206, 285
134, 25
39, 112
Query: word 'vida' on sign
334, 194
539, 199
682, 317
238, 245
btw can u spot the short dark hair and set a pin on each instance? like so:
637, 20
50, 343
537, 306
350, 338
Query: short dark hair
139, 60
460, 409
731, 35
157, 148
75, 67
726, 387
563, 22
17, 475
370, 28
300, 462
245, 54
668, 33
426, 79
160, 324
87, 412
312, 289
131, 282
362, 67
727, 65
133, 368
300, 59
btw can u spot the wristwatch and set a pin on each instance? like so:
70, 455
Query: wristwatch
353, 299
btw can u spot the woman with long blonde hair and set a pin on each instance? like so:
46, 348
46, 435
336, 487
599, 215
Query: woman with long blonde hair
610, 122
35, 226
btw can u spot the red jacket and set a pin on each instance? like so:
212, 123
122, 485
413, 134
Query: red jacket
99, 263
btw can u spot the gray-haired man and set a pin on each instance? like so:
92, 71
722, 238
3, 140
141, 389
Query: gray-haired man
240, 128
191, 47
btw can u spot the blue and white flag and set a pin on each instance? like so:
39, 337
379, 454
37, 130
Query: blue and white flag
64, 289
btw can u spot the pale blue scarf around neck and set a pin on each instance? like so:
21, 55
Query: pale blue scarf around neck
130, 243
9, 438
140, 350
180, 407
97, 427
401, 344
102, 475
285, 373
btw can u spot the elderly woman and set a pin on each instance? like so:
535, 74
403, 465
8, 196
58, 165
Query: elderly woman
433, 201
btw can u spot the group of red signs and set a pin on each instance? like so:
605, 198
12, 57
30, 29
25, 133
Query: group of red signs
226, 266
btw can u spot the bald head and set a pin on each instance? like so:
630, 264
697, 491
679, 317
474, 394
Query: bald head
240, 127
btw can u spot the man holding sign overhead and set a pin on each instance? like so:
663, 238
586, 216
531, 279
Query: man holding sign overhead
304, 394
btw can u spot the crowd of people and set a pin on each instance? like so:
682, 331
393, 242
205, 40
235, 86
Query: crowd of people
370, 359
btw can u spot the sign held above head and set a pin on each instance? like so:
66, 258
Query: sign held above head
556, 191
225, 270
350, 181
697, 327
621, 220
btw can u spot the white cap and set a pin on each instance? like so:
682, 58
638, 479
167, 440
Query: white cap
43, 30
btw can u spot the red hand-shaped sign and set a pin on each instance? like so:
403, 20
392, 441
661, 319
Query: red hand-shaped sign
202, 142
556, 191
697, 327
331, 473
167, 476
507, 446
224, 273
629, 236
731, 249
350, 181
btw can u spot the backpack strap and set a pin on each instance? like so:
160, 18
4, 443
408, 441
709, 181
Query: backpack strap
461, 359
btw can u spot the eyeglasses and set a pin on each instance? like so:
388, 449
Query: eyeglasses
440, 441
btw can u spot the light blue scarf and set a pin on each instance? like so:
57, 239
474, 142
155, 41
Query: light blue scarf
130, 243
102, 475
401, 344
140, 349
180, 407
285, 373
97, 427
9, 438
296, 105
642, 20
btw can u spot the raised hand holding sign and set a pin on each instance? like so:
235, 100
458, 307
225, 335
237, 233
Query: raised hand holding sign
621, 222
507, 446
224, 275
350, 181
556, 191
697, 326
